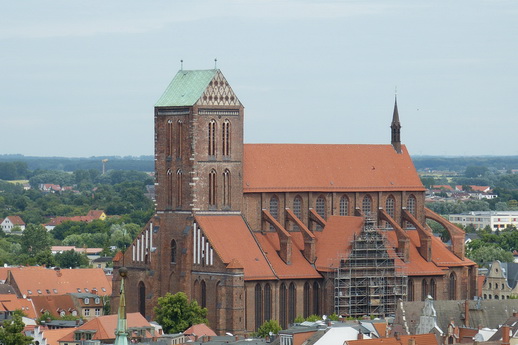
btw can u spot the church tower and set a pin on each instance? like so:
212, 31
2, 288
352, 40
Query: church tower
396, 129
198, 144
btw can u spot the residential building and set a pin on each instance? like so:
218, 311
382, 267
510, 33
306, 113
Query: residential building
496, 220
11, 222
256, 232
501, 281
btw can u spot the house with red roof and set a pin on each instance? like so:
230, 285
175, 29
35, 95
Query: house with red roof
11, 222
255, 232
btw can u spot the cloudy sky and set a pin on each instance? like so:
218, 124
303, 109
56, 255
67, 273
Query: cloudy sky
80, 78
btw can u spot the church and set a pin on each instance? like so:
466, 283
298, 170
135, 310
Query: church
255, 232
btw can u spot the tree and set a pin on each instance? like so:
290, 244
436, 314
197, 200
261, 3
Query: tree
175, 313
71, 259
483, 256
11, 333
268, 326
35, 240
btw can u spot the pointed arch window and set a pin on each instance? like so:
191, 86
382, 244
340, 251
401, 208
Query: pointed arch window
452, 289
292, 303
142, 298
267, 302
297, 210
173, 251
169, 141
226, 188
367, 205
212, 138
424, 289
410, 205
212, 188
433, 289
274, 208
410, 290
321, 206
169, 188
179, 137
389, 206
226, 138
282, 306
316, 298
307, 299
344, 206
179, 188
203, 294
258, 306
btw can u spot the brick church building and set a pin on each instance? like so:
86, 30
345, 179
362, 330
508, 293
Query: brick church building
274, 231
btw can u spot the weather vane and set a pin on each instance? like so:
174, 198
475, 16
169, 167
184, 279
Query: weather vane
215, 63
181, 65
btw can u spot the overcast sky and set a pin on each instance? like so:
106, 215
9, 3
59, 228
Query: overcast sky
80, 78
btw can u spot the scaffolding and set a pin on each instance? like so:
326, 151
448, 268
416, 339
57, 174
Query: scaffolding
369, 281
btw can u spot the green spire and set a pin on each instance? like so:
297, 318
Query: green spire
121, 334
186, 88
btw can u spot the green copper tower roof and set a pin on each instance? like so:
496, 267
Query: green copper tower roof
186, 88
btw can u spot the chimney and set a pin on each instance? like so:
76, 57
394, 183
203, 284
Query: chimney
515, 314
411, 341
396, 335
360, 336
505, 335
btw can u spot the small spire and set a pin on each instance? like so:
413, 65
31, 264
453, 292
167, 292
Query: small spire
181, 65
216, 63
395, 127
121, 333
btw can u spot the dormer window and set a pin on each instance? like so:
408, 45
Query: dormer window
39, 291
79, 290
29, 292
55, 291
87, 300
86, 290
97, 300
47, 291
104, 289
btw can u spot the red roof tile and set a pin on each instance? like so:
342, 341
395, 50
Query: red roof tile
53, 335
310, 167
16, 220
12, 303
226, 229
53, 304
63, 281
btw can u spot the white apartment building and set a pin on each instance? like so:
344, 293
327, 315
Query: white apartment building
496, 220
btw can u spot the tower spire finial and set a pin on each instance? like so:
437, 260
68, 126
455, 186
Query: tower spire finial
121, 333
395, 127
181, 65
215, 63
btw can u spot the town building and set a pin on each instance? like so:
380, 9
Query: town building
10, 223
255, 232
496, 220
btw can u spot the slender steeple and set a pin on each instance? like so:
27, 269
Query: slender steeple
396, 129
121, 333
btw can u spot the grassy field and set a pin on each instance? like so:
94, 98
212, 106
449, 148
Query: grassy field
18, 181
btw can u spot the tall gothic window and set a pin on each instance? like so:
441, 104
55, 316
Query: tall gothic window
258, 306
226, 138
410, 290
212, 138
274, 209
321, 206
283, 317
307, 299
344, 206
316, 298
297, 210
452, 289
226, 188
169, 188
212, 188
424, 289
203, 294
433, 289
173, 251
142, 298
389, 206
292, 303
410, 205
179, 188
367, 205
169, 142
267, 302
179, 134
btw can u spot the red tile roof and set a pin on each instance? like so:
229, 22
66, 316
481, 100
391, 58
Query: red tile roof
16, 220
53, 304
30, 280
310, 167
105, 326
12, 303
53, 335
247, 253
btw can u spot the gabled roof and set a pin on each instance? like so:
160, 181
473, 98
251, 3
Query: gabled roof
105, 326
53, 335
16, 220
186, 88
327, 168
224, 230
33, 281
11, 303
53, 304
